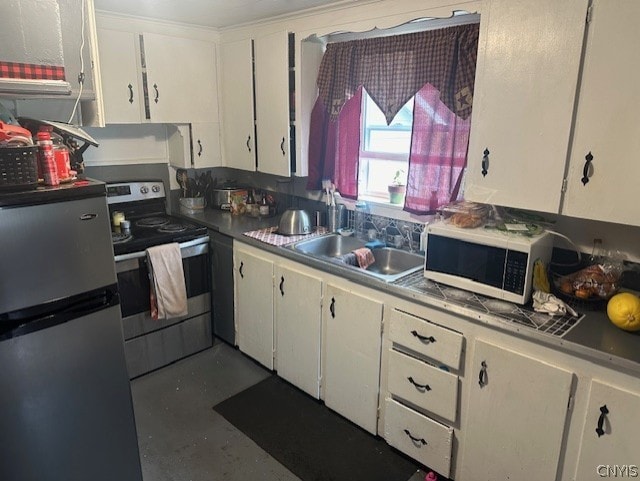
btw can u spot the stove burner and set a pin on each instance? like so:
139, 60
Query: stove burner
173, 227
152, 222
118, 238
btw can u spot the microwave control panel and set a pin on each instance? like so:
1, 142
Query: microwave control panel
515, 272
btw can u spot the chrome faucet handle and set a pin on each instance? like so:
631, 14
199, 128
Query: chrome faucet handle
408, 230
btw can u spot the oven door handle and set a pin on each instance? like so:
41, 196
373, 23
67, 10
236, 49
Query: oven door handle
190, 248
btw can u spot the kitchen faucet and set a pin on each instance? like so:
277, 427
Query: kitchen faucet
407, 230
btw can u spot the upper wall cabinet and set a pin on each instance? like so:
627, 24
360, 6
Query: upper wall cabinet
157, 78
603, 162
269, 146
237, 104
526, 78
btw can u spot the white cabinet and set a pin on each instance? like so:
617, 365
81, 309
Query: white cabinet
195, 145
526, 78
121, 81
610, 435
419, 392
272, 103
516, 414
352, 355
298, 318
157, 78
253, 305
606, 126
237, 104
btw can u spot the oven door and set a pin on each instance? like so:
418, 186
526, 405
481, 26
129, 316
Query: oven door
133, 285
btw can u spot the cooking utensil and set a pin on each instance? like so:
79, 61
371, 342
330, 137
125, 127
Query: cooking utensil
294, 222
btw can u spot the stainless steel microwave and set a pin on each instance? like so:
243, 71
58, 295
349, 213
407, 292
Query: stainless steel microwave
490, 262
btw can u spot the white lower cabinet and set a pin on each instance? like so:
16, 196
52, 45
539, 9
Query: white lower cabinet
298, 319
253, 306
609, 447
352, 355
515, 417
420, 386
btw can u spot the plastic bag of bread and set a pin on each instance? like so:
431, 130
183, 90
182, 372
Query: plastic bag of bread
597, 281
466, 215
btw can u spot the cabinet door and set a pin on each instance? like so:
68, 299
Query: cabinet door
237, 105
253, 278
181, 79
205, 144
272, 103
298, 326
606, 120
121, 92
617, 446
352, 355
526, 77
516, 418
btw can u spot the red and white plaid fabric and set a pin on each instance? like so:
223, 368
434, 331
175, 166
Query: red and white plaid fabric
31, 71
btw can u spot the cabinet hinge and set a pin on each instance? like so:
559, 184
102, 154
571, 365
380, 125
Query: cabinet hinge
570, 404
589, 10
564, 185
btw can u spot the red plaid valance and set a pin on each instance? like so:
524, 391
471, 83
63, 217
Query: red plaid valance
31, 71
392, 69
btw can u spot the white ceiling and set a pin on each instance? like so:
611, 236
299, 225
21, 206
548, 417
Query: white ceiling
210, 13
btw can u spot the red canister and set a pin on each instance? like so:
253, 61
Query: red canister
46, 157
63, 164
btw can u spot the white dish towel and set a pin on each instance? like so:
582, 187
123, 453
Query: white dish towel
166, 278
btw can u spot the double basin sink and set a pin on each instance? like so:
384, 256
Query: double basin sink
390, 263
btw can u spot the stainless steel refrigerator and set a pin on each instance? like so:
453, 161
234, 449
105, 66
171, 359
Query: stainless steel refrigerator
66, 411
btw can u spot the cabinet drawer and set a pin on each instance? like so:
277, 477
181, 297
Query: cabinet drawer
436, 342
416, 435
423, 385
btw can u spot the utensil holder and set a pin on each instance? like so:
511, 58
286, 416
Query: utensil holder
335, 217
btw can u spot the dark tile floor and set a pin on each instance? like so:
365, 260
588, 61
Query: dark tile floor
182, 438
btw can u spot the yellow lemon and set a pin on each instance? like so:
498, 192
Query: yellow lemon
624, 311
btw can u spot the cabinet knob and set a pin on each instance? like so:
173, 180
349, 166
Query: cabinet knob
482, 375
585, 170
155, 87
603, 414
130, 87
485, 162
282, 147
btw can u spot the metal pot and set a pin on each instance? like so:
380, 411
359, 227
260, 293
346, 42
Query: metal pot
294, 222
221, 197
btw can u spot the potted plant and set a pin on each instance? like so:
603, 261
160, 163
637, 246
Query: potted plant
397, 187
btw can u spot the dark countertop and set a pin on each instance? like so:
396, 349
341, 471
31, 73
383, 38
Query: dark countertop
595, 338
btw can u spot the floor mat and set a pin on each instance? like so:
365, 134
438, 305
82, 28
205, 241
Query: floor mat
309, 439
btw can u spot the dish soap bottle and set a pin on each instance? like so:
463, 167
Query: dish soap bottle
423, 238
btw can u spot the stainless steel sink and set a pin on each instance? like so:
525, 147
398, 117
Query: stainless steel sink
390, 264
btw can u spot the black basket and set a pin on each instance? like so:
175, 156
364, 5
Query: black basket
18, 168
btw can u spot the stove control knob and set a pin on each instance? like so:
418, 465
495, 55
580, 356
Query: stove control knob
155, 188
144, 189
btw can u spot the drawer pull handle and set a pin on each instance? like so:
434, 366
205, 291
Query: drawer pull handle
332, 307
248, 143
130, 87
603, 413
485, 162
415, 440
585, 171
482, 376
425, 339
422, 387
240, 270
155, 87
282, 285
282, 147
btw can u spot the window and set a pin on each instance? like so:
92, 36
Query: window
384, 149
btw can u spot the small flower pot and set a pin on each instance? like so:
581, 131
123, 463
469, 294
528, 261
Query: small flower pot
396, 193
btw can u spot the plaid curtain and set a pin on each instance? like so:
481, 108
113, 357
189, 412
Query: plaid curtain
392, 69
